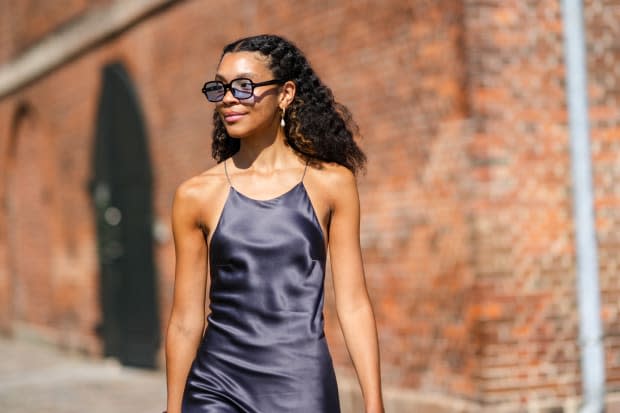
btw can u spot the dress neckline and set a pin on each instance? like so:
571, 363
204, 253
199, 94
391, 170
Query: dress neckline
300, 183
267, 200
274, 201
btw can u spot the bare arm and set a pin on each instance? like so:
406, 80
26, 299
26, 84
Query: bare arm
352, 302
187, 318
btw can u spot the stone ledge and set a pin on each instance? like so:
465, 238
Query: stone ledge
72, 39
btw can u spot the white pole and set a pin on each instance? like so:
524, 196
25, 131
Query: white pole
590, 332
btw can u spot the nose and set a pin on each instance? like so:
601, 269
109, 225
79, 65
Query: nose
228, 96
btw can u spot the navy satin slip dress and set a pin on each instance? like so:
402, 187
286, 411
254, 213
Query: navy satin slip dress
264, 349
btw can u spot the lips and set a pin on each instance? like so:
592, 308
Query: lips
231, 117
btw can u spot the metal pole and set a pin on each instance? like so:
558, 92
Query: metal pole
590, 332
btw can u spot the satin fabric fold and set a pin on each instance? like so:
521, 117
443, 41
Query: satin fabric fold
264, 349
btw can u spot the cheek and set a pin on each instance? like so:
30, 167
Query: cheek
267, 115
262, 112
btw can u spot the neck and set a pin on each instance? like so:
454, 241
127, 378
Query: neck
265, 153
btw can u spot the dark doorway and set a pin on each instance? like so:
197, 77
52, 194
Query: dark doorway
121, 191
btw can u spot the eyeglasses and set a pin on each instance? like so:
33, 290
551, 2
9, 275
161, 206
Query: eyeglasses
241, 88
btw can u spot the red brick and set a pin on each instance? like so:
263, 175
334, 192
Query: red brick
466, 205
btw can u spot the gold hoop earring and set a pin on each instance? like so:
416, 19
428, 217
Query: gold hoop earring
282, 122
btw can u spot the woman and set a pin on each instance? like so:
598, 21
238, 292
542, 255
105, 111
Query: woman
283, 187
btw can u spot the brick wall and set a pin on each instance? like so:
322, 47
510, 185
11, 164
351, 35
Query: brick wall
466, 204
5, 286
6, 32
522, 230
31, 20
602, 20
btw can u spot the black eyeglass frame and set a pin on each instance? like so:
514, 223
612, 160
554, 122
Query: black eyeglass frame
236, 92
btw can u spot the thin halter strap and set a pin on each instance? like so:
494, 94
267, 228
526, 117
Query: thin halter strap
226, 172
305, 169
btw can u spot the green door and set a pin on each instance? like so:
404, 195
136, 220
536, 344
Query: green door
121, 191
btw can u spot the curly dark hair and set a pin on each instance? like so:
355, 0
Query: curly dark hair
317, 127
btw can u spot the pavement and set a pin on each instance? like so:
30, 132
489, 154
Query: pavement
38, 378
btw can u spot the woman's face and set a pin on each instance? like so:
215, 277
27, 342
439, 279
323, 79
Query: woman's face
261, 111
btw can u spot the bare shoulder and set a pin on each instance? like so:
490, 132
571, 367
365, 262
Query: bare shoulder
200, 191
335, 178
202, 186
336, 184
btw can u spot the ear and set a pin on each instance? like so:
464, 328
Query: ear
287, 93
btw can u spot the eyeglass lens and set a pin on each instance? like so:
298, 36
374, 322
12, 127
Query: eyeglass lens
240, 88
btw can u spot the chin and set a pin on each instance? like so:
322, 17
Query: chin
237, 132
241, 130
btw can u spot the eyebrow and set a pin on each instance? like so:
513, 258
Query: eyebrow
249, 75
